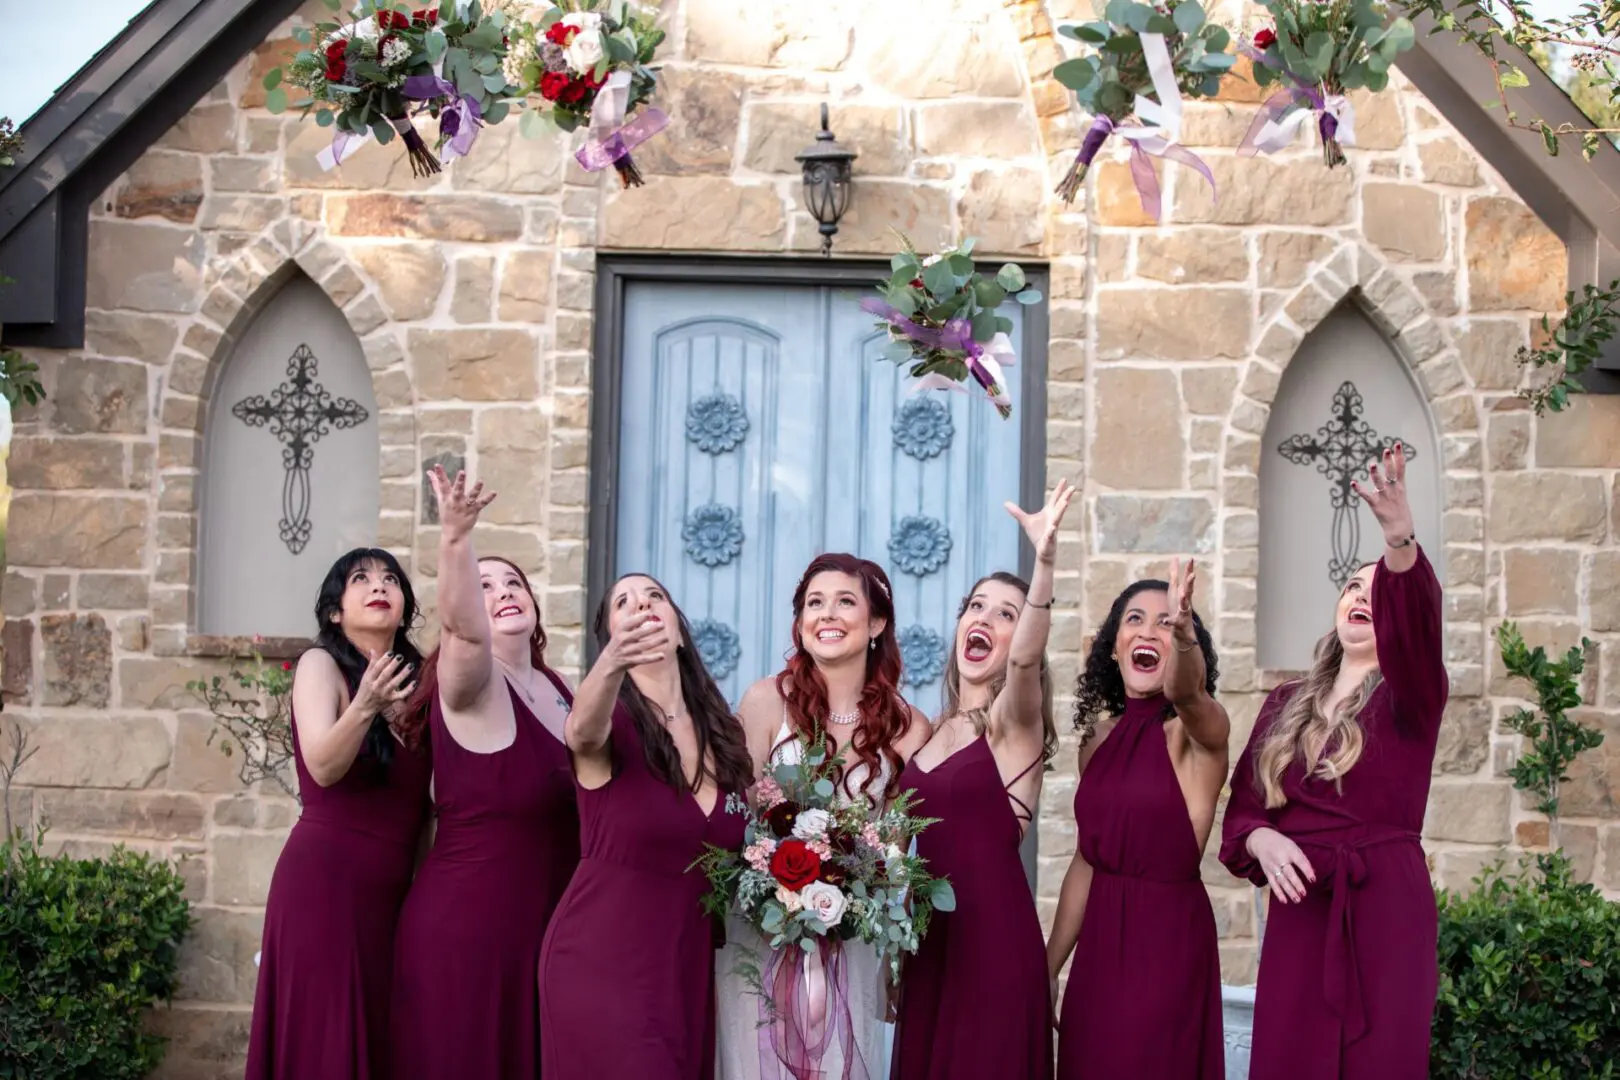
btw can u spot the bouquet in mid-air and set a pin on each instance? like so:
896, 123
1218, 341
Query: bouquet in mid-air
586, 61
817, 871
940, 313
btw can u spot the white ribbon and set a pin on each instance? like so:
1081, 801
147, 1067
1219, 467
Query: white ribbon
612, 101
339, 152
1164, 114
998, 353
1275, 135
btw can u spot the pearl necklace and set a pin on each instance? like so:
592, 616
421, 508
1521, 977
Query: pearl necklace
844, 718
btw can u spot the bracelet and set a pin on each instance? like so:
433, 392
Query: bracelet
1189, 648
1410, 540
1044, 607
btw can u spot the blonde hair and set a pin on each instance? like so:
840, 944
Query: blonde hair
980, 717
1303, 731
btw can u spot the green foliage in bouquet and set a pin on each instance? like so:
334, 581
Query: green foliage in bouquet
355, 74
87, 946
11, 143
252, 710
941, 313
19, 376
1108, 81
548, 60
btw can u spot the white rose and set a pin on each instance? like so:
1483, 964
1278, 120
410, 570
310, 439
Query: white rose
812, 825
586, 21
827, 901
789, 900
932, 259
584, 51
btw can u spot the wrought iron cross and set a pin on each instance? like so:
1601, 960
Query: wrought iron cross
1342, 449
298, 413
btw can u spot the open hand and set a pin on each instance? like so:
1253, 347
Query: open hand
1387, 499
385, 684
1284, 864
641, 640
1182, 582
458, 507
1042, 526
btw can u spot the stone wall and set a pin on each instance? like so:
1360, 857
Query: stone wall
472, 295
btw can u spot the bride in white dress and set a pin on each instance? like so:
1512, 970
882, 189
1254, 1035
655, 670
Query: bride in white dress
841, 679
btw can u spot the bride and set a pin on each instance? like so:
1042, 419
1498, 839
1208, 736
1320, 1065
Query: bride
841, 679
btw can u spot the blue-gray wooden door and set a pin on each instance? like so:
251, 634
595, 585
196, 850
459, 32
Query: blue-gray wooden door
760, 426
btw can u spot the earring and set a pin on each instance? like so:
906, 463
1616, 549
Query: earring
872, 644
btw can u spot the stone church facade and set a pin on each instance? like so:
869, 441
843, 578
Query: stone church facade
472, 295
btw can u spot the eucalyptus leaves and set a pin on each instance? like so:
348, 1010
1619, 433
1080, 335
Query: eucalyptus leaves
941, 316
1170, 49
1317, 52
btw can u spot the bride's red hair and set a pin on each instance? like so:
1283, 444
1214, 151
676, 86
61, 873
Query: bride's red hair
884, 714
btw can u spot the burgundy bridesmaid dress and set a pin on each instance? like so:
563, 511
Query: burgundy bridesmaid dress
1144, 994
1348, 977
321, 1009
974, 1000
469, 938
627, 972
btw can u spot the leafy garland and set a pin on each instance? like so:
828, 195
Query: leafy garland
255, 721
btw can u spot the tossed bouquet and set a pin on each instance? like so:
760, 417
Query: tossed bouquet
816, 872
941, 316
587, 61
1169, 49
1317, 51
367, 76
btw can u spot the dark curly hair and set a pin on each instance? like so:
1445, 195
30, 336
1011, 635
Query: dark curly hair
1100, 690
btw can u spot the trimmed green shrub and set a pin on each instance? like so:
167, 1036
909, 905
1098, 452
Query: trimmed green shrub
86, 946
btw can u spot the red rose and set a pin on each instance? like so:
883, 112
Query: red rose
393, 20
795, 865
286, 665
917, 283
561, 34
575, 92
1265, 39
426, 17
336, 65
552, 84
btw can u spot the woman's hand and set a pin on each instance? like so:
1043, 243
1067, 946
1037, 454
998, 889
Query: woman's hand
458, 507
1284, 864
384, 686
1182, 582
1387, 499
641, 640
1042, 526
1057, 1005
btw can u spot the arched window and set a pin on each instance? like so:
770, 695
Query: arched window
1346, 395
289, 469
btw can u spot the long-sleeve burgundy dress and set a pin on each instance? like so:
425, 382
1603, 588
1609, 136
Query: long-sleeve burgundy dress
321, 1009
974, 1001
1348, 977
464, 996
1144, 993
627, 972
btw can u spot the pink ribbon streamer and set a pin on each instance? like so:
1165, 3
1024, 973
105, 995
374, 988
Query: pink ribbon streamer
611, 139
459, 121
1332, 113
810, 992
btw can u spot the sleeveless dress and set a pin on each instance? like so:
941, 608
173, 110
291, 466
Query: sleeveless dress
1144, 993
974, 1000
743, 1054
469, 938
627, 972
321, 1009
1348, 977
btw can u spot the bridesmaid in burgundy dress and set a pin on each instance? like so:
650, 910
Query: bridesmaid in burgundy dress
1327, 804
321, 1009
627, 972
973, 1000
508, 831
1144, 994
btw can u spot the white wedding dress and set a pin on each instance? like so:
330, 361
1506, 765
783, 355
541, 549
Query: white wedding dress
738, 1006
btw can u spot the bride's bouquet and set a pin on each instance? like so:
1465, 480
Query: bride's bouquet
816, 872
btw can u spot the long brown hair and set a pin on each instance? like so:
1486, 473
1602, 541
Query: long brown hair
717, 728
884, 714
980, 717
1330, 746
413, 729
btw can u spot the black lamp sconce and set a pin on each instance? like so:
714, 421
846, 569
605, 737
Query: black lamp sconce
826, 181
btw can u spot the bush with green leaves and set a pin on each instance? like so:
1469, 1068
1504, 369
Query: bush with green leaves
86, 947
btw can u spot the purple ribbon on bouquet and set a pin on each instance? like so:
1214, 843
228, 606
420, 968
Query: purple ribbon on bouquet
1285, 112
459, 121
610, 139
805, 1009
956, 336
1144, 147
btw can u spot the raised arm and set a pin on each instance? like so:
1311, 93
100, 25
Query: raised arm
328, 739
466, 665
1408, 618
1019, 703
1186, 676
589, 730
